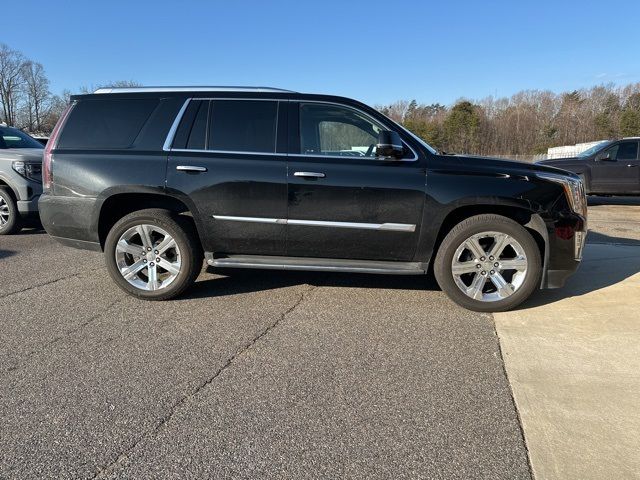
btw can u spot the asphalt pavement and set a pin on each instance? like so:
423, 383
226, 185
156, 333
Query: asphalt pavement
253, 374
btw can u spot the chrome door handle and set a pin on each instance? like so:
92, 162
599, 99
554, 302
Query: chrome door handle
630, 165
190, 168
309, 174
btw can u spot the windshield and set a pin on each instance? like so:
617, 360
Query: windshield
422, 142
14, 138
594, 149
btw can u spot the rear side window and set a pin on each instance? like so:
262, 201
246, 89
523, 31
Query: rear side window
243, 126
106, 124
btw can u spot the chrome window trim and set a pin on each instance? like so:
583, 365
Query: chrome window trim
375, 121
231, 152
387, 226
360, 157
174, 127
176, 122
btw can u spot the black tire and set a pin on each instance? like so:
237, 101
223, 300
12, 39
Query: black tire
14, 222
182, 230
478, 224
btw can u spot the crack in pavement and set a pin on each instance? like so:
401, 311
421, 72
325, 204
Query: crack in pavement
104, 471
64, 336
44, 284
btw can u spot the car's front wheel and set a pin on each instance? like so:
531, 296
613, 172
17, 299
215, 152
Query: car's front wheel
488, 263
10, 221
153, 254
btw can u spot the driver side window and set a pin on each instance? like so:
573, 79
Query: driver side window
336, 131
623, 151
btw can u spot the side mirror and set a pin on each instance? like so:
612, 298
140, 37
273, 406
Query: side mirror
389, 145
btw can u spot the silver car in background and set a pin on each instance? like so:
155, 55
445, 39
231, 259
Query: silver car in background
20, 178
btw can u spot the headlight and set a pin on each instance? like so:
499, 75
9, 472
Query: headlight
573, 190
20, 167
32, 171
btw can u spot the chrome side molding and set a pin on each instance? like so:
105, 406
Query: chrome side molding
395, 227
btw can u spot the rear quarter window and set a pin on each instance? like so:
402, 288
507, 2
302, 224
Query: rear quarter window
106, 124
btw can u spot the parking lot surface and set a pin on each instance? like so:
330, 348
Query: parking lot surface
253, 374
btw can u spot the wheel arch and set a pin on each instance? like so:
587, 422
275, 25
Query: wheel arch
12, 191
530, 220
115, 206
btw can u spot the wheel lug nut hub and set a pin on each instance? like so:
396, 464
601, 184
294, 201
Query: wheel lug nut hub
492, 271
152, 264
483, 272
158, 259
496, 264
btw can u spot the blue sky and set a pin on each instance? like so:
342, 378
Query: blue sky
376, 51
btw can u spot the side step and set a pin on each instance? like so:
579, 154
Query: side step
316, 264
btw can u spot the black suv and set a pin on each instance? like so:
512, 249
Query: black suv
611, 167
159, 178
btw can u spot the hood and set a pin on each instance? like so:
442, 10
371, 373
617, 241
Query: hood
501, 166
559, 161
32, 155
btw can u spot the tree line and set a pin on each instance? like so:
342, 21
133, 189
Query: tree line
526, 123
26, 101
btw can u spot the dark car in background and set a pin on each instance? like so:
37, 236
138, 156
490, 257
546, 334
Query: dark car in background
611, 167
20, 178
162, 178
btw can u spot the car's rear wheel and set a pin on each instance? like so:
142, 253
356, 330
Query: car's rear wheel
153, 254
10, 221
488, 263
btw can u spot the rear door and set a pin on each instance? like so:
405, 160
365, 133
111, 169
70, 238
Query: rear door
620, 172
343, 201
228, 158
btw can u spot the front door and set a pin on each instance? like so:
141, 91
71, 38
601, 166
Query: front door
343, 201
616, 169
226, 159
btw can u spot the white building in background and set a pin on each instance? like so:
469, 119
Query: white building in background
570, 150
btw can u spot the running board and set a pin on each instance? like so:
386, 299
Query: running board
317, 264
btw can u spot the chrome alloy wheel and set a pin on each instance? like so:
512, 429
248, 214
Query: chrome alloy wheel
489, 266
148, 257
4, 212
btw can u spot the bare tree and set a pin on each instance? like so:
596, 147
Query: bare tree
11, 62
36, 87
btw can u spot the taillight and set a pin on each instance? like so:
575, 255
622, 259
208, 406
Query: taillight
47, 174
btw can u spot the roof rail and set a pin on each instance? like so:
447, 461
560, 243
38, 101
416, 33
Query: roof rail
188, 89
630, 138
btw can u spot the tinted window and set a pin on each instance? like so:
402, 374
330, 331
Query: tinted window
243, 125
109, 123
185, 134
626, 151
14, 138
335, 130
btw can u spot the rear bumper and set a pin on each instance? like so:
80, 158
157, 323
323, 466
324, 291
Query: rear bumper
70, 220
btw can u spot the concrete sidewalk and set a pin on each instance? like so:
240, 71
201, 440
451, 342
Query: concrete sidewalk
573, 360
